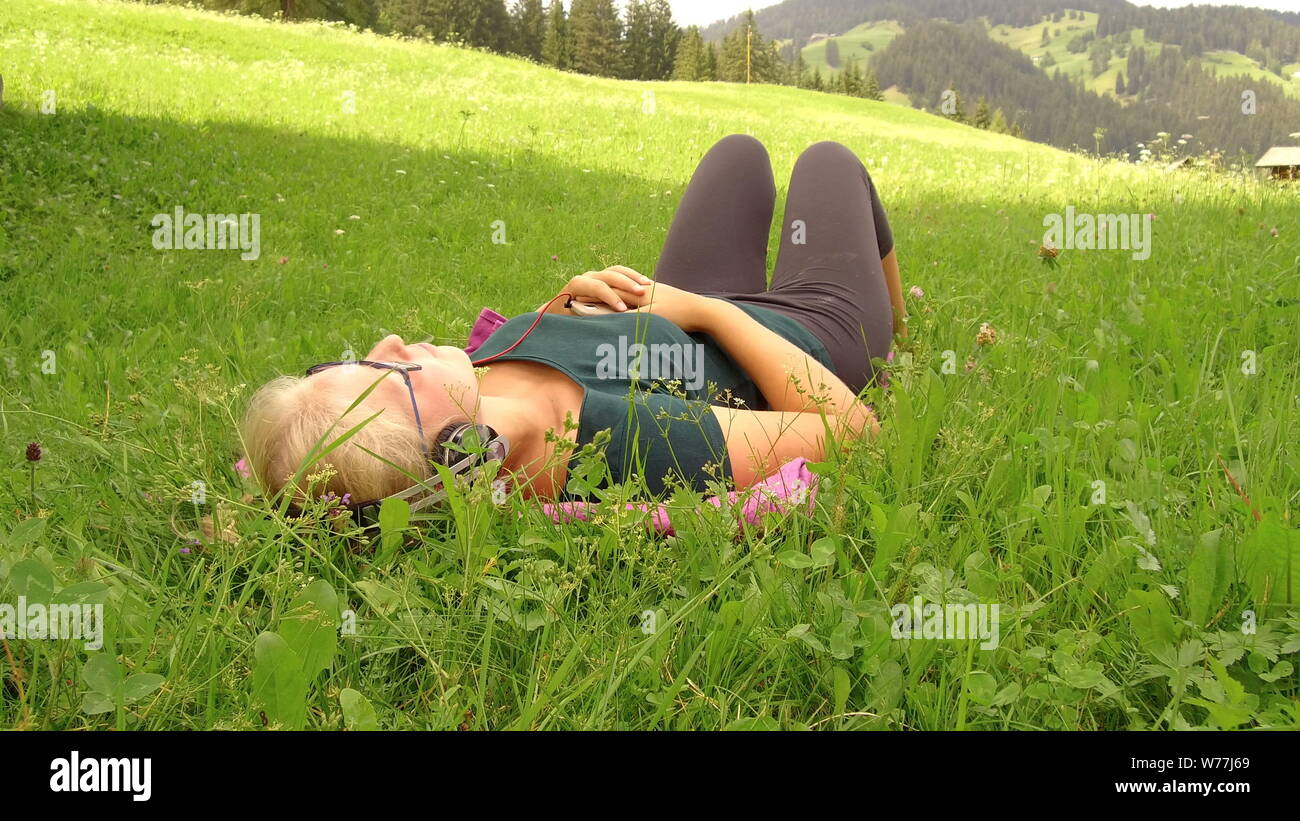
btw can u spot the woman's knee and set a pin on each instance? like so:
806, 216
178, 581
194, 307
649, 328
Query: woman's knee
741, 148
829, 152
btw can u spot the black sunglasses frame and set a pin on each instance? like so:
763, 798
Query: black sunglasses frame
403, 368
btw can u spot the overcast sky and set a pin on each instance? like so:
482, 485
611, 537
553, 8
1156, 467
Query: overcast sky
703, 12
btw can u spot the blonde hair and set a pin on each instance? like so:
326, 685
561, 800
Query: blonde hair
285, 420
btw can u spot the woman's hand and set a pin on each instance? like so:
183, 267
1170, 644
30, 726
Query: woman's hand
686, 310
617, 286
622, 288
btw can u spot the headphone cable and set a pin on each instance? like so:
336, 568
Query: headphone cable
478, 362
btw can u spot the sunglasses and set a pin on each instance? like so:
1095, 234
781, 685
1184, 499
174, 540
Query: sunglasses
403, 368
463, 448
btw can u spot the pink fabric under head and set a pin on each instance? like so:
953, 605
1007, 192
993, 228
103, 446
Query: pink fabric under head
793, 487
486, 324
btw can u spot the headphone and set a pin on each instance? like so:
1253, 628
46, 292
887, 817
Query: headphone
464, 449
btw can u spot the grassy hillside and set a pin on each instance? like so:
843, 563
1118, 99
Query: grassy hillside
1068, 470
857, 44
1029, 40
1232, 64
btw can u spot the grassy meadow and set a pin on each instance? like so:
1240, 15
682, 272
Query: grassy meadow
1232, 64
857, 44
864, 40
1029, 40
1112, 461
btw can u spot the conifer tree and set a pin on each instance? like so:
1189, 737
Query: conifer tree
557, 48
871, 85
665, 37
798, 71
692, 62
361, 13
746, 54
529, 28
851, 79
731, 57
635, 46
408, 17
596, 30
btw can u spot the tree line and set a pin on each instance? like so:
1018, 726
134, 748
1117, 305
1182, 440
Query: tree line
1167, 91
590, 37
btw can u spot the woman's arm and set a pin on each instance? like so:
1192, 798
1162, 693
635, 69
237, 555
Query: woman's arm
760, 442
808, 401
895, 284
789, 378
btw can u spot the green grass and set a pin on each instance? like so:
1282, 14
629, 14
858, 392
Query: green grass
1233, 64
858, 44
1029, 40
1105, 369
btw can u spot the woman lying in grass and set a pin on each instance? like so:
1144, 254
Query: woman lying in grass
736, 378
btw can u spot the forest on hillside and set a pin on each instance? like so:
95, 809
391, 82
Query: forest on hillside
796, 19
1169, 94
1197, 28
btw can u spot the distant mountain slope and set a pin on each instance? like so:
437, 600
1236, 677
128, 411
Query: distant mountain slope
1091, 64
1232, 64
1053, 53
857, 44
1059, 49
799, 18
1170, 94
1198, 28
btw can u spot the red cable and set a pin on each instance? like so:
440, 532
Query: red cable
540, 314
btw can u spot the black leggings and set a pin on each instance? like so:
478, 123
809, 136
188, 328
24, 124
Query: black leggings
828, 274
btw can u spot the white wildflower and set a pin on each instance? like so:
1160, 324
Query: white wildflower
798, 492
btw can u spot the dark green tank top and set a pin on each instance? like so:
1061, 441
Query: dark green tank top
651, 385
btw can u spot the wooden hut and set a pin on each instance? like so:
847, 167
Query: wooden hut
1281, 162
